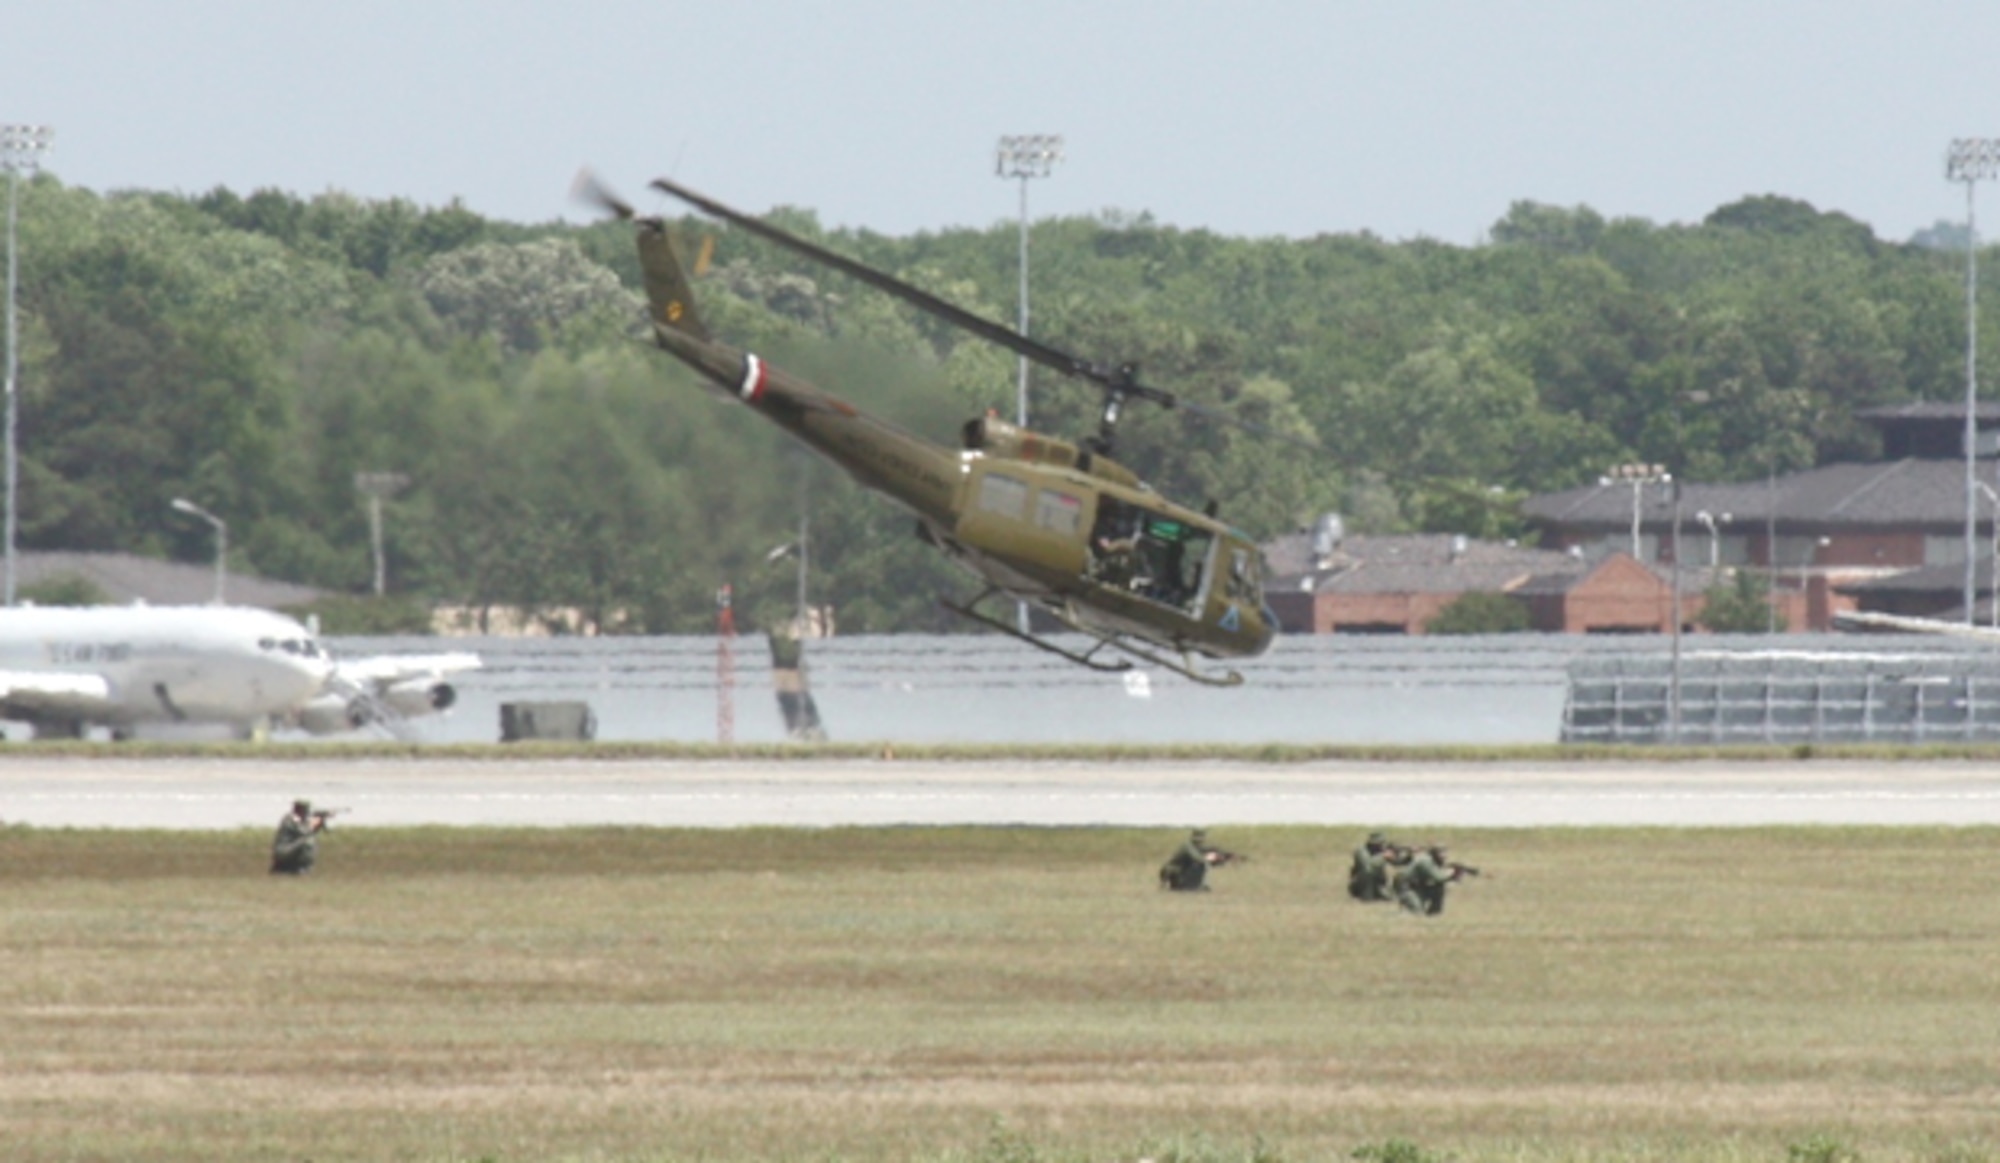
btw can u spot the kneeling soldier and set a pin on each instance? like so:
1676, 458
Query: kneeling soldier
296, 845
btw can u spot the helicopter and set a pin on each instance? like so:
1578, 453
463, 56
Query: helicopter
1057, 524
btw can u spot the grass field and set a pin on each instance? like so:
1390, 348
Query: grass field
997, 995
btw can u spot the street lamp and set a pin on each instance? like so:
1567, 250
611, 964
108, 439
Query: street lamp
183, 505
1025, 156
802, 550
377, 485
1713, 523
1640, 475
1969, 160
21, 148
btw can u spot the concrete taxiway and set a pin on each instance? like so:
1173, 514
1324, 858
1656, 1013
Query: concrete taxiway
224, 793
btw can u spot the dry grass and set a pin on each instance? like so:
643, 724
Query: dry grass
996, 994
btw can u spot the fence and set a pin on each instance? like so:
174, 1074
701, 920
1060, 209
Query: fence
1775, 696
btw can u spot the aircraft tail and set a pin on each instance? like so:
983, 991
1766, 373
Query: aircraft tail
669, 295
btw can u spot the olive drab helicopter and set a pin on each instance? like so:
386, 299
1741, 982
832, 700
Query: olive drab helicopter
1056, 524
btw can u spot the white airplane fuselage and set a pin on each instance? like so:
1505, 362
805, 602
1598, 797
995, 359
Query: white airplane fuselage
64, 669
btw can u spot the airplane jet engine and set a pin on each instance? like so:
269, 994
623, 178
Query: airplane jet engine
330, 714
419, 696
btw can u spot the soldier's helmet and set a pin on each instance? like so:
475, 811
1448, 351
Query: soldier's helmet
1198, 835
1377, 839
302, 807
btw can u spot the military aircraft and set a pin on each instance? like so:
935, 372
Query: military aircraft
1042, 520
138, 670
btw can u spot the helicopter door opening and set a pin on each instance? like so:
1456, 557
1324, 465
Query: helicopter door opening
1148, 553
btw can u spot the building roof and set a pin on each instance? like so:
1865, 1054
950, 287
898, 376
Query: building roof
1983, 411
1906, 494
124, 578
1410, 563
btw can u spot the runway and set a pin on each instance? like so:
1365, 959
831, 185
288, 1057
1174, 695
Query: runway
194, 794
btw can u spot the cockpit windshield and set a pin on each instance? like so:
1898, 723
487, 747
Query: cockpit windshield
303, 647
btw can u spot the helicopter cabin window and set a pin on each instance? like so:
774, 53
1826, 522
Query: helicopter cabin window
1003, 495
1148, 553
1057, 512
1246, 581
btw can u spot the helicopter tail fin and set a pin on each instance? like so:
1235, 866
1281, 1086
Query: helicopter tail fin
669, 296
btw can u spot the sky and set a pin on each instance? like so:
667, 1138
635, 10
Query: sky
1406, 118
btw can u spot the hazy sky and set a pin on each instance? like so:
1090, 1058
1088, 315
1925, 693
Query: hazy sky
1249, 117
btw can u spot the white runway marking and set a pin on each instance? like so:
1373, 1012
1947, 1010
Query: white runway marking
222, 794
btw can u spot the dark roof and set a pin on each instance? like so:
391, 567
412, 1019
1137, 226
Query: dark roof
1899, 493
124, 578
1410, 563
1932, 410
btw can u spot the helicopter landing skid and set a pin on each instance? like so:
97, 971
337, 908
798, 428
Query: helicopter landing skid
1083, 659
1184, 668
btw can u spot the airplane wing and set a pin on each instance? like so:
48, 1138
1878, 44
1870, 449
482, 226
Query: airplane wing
389, 669
390, 688
67, 692
1857, 620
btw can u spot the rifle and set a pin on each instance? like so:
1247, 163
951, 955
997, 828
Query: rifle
1217, 857
323, 817
1462, 870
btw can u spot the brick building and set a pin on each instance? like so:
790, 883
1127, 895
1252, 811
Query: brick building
1826, 539
1323, 583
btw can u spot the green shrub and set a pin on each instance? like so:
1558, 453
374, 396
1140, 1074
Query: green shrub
1480, 613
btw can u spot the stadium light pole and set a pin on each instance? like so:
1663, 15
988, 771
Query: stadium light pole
21, 148
1993, 576
1969, 160
1021, 157
1638, 476
183, 505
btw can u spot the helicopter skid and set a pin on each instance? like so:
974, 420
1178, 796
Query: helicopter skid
1185, 667
969, 611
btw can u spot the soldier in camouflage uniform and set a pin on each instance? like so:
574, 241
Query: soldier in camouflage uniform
1420, 887
296, 846
1368, 873
1187, 869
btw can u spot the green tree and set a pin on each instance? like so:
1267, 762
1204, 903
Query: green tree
63, 589
1480, 612
1741, 605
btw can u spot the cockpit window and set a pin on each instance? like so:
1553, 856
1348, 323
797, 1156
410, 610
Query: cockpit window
303, 647
1246, 576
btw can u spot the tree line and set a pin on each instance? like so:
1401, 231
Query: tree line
253, 353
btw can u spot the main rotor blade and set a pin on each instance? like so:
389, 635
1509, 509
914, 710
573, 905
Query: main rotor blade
1113, 379
586, 188
986, 329
1251, 426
